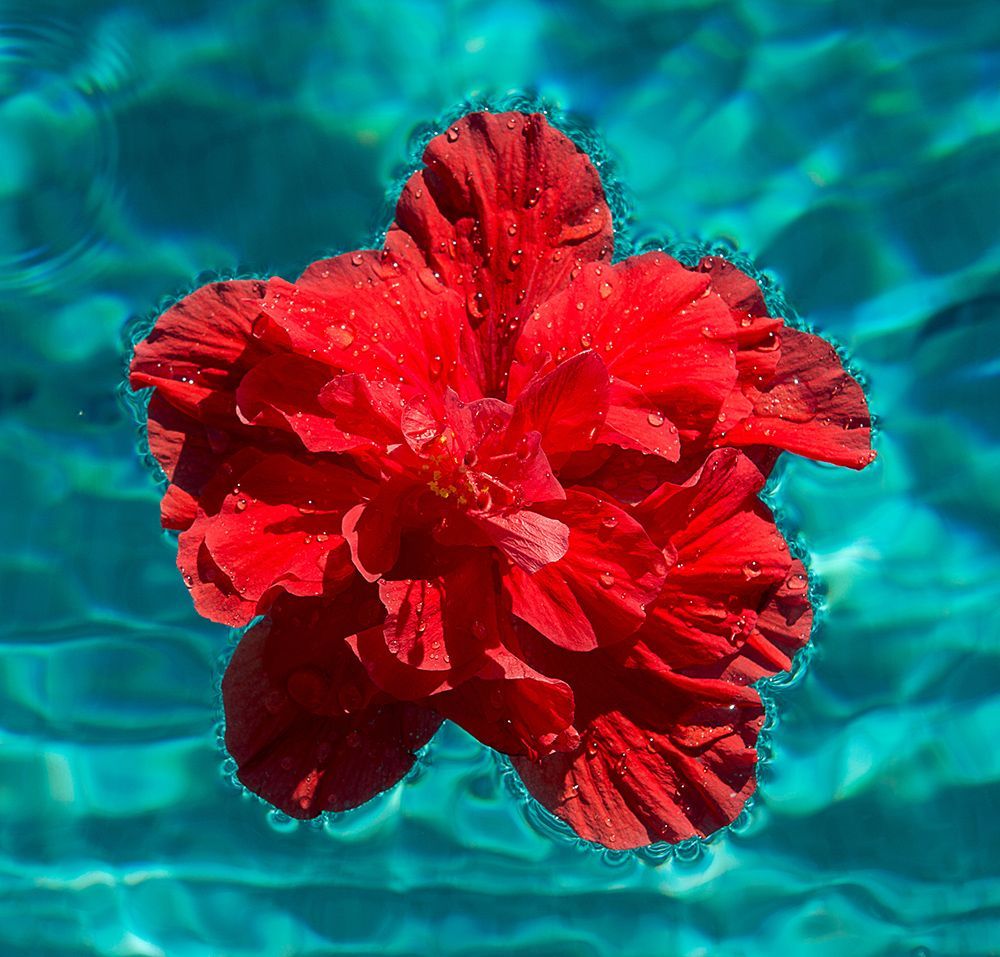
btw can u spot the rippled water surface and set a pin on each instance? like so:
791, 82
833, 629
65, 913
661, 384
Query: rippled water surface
852, 148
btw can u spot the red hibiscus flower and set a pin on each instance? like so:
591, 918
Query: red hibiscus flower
487, 475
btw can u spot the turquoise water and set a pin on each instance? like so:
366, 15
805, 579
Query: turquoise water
852, 148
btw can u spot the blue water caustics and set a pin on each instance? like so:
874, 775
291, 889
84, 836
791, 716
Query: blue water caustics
852, 148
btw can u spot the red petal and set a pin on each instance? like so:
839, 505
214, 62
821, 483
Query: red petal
304, 724
651, 322
662, 758
504, 209
810, 406
433, 638
200, 348
634, 421
737, 289
783, 627
597, 592
184, 450
730, 558
364, 412
370, 314
528, 539
567, 406
277, 527
285, 392
512, 708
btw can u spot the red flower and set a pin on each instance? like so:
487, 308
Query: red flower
484, 474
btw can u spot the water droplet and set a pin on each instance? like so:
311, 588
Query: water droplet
436, 367
421, 628
751, 569
593, 747
357, 259
515, 259
534, 194
585, 340
609, 521
622, 766
523, 448
512, 229
796, 582
655, 419
470, 458
607, 580
241, 504
453, 133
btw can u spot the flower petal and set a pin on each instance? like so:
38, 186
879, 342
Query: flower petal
504, 209
730, 558
662, 758
530, 540
306, 727
368, 313
567, 406
597, 592
200, 348
277, 527
653, 324
635, 422
183, 447
512, 708
810, 406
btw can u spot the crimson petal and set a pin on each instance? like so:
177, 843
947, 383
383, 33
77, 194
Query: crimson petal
200, 348
597, 592
654, 325
277, 527
730, 557
308, 731
662, 757
504, 209
810, 406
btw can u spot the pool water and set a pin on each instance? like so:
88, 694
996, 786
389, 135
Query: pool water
853, 149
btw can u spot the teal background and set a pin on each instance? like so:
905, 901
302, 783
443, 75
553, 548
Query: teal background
852, 148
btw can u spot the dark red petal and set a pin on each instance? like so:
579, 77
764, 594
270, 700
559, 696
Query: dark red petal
303, 722
653, 325
284, 392
597, 592
729, 559
662, 758
183, 447
783, 627
365, 412
278, 527
433, 638
504, 209
513, 708
810, 406
635, 422
368, 313
372, 529
737, 289
200, 348
567, 406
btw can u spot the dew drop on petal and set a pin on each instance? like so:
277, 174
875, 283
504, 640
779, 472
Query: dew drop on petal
796, 582
607, 580
609, 521
751, 569
452, 134
655, 419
